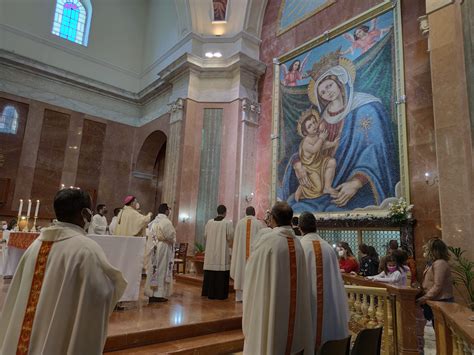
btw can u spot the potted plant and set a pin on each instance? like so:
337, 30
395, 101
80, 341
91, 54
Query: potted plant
198, 251
463, 275
199, 258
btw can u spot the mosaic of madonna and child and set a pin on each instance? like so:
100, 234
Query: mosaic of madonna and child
338, 149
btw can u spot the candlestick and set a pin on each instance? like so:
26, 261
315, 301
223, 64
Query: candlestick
37, 208
20, 209
25, 229
29, 209
33, 229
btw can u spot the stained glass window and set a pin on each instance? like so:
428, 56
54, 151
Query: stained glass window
9, 120
70, 21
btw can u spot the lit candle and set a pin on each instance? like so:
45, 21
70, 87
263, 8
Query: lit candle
21, 207
29, 209
37, 208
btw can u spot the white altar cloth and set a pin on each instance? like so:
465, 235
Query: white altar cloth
126, 254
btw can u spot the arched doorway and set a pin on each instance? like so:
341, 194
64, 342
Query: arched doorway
148, 175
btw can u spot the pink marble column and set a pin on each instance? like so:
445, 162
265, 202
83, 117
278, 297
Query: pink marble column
29, 151
452, 123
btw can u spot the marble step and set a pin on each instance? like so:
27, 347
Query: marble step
225, 342
196, 280
127, 341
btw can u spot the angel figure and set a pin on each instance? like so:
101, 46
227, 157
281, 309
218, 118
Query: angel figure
295, 73
364, 37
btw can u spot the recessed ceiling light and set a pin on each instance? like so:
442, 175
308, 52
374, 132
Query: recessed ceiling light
209, 54
217, 54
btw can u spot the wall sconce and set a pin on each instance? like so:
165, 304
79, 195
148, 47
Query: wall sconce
430, 180
249, 197
184, 217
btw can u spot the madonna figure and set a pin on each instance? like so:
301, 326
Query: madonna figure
359, 138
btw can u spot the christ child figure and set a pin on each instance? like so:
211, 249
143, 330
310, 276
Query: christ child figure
319, 167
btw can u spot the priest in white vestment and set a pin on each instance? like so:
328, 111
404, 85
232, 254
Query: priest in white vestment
99, 221
160, 256
276, 306
113, 222
329, 305
64, 289
218, 234
245, 233
130, 221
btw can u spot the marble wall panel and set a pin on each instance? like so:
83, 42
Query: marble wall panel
452, 127
10, 151
50, 159
89, 163
115, 175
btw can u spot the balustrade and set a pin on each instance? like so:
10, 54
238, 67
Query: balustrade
373, 304
454, 328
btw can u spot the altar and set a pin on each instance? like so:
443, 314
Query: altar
125, 254
17, 243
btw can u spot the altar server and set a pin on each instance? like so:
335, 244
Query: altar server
245, 232
64, 289
276, 306
130, 221
329, 307
218, 234
99, 221
160, 255
113, 222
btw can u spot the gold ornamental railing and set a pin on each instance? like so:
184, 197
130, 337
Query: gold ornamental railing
371, 307
454, 328
374, 304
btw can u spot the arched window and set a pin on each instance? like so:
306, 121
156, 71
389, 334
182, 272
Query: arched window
72, 20
9, 120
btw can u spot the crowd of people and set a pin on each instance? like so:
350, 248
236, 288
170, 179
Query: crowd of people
288, 278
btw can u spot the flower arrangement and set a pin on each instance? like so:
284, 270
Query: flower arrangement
400, 210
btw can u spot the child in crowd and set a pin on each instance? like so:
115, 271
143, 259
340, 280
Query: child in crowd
393, 272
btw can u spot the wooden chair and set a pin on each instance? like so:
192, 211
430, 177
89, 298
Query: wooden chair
368, 342
336, 347
180, 257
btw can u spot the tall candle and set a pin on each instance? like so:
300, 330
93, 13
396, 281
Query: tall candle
21, 207
37, 208
29, 209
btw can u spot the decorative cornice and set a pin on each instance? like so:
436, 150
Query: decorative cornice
187, 62
424, 25
250, 111
204, 40
68, 49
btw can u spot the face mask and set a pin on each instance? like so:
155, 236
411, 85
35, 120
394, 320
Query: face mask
341, 252
137, 206
391, 269
4, 227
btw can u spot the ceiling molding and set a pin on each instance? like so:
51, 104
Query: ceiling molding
68, 49
165, 78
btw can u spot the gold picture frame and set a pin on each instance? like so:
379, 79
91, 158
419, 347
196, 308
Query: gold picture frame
399, 105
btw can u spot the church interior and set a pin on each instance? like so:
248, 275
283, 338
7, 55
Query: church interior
200, 103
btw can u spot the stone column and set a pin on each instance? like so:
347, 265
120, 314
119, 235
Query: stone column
173, 156
452, 122
247, 156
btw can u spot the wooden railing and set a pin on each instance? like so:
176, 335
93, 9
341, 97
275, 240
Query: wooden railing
374, 304
454, 328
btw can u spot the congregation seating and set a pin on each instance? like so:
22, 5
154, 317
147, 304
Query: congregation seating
336, 347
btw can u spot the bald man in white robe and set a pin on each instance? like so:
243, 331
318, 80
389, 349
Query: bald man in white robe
245, 233
277, 314
329, 305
